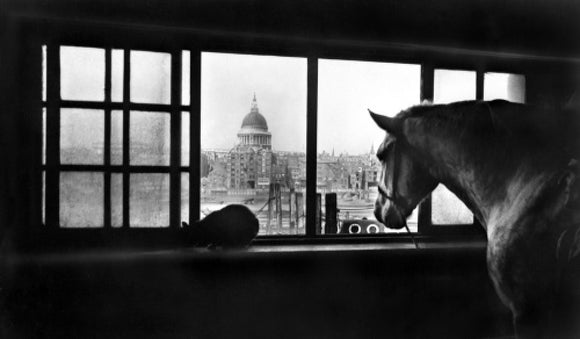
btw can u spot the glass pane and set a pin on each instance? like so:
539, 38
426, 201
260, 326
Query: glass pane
150, 77
82, 136
450, 86
348, 137
184, 139
254, 139
44, 135
116, 137
448, 209
43, 72
185, 197
82, 73
117, 68
149, 200
149, 133
116, 199
185, 75
511, 87
81, 199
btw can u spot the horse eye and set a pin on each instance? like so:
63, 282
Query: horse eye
381, 190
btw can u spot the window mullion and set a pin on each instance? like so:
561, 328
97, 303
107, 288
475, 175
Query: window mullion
194, 135
107, 144
311, 146
479, 84
52, 199
427, 89
175, 144
126, 129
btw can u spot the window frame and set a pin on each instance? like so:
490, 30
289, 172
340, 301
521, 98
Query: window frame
98, 35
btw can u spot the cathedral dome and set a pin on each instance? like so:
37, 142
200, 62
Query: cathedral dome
254, 120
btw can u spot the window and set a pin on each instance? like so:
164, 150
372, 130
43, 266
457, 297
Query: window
111, 121
347, 166
511, 87
450, 86
253, 137
121, 127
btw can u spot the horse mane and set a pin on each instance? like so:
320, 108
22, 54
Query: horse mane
504, 128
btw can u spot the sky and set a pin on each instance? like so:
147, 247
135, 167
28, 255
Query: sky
228, 84
346, 90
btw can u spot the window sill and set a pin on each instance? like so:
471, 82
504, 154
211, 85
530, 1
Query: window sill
260, 250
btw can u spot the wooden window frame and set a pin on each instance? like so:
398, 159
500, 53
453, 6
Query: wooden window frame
96, 35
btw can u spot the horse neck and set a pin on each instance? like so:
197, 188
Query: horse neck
497, 189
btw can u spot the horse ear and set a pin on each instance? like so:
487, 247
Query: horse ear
391, 125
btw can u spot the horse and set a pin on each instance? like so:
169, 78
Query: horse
514, 166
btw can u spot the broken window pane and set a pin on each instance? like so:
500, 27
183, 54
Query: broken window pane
81, 199
149, 200
185, 197
81, 136
185, 75
254, 139
116, 137
82, 73
451, 86
150, 77
511, 87
184, 139
348, 138
116, 200
149, 134
117, 68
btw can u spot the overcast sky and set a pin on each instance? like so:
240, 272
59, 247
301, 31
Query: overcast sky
229, 82
346, 90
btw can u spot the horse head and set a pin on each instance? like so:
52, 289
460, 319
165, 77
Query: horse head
404, 181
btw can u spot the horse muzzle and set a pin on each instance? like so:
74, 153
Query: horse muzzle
389, 215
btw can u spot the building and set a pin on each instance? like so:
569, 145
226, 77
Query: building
249, 163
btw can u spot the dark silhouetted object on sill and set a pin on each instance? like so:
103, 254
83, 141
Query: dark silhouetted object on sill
234, 226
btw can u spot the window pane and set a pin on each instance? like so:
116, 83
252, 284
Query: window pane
116, 199
185, 75
506, 86
82, 136
43, 72
254, 139
149, 200
184, 139
348, 137
150, 77
448, 209
116, 137
82, 73
149, 133
117, 68
451, 86
185, 197
81, 199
